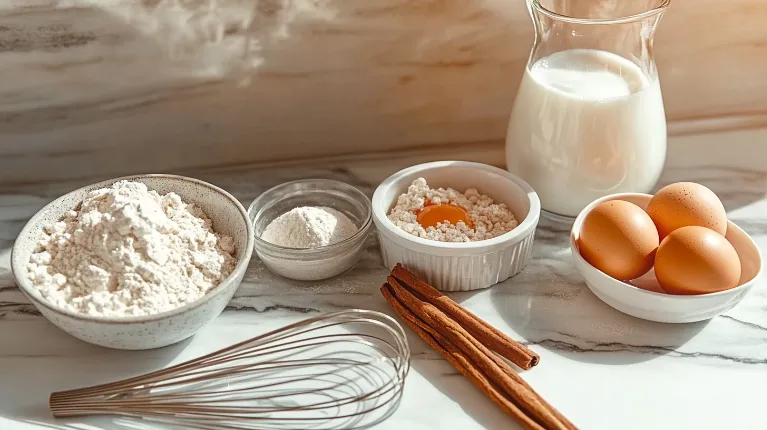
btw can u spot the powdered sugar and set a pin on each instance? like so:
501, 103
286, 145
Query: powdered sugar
309, 227
489, 219
128, 251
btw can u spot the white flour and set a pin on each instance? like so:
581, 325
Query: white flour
128, 251
309, 227
489, 218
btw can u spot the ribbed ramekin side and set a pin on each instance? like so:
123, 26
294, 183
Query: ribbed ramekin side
460, 273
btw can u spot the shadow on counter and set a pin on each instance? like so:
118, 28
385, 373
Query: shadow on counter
456, 387
548, 304
29, 378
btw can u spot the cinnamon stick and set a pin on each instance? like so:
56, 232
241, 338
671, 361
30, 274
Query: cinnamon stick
459, 360
491, 337
483, 360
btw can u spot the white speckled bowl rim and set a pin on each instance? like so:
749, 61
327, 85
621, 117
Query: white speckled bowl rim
574, 233
242, 260
520, 232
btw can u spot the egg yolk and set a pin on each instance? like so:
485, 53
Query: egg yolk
432, 214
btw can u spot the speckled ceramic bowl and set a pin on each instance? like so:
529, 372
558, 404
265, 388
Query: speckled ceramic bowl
154, 331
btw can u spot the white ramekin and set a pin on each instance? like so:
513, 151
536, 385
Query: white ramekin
459, 266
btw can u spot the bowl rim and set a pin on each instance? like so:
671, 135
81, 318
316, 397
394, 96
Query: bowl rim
242, 261
321, 251
526, 226
577, 255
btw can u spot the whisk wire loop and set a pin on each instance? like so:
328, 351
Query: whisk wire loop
342, 370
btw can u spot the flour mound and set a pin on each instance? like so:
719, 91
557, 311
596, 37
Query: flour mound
489, 219
128, 251
309, 227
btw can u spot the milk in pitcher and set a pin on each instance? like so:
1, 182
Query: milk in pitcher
586, 123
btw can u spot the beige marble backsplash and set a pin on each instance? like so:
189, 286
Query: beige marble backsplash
93, 88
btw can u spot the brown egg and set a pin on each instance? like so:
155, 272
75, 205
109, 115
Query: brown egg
696, 260
620, 239
684, 204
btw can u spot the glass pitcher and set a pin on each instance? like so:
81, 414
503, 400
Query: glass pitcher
588, 119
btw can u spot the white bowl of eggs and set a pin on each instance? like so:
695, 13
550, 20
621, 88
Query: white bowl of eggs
673, 257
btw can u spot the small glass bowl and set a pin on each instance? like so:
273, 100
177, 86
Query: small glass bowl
315, 263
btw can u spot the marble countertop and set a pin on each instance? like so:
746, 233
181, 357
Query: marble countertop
601, 368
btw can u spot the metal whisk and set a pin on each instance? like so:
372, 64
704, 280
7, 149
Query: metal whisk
343, 370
